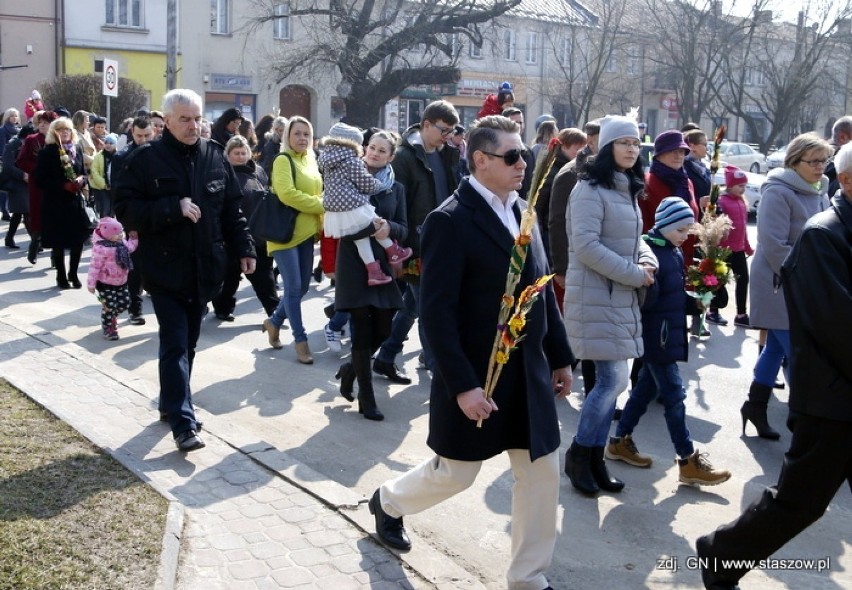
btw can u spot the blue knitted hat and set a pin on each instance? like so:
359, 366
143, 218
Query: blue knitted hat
672, 212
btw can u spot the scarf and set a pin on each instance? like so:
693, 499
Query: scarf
71, 150
675, 179
386, 179
122, 254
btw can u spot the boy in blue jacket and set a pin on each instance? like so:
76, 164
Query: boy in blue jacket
664, 334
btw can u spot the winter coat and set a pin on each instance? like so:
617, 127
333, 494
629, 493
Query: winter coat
412, 171
62, 221
176, 256
466, 251
699, 175
271, 148
655, 191
305, 195
27, 160
13, 178
7, 132
347, 184
817, 288
542, 204
563, 183
666, 305
735, 208
351, 290
98, 175
787, 201
490, 107
31, 107
103, 266
253, 183
604, 250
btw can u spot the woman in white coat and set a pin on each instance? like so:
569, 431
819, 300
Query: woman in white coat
608, 263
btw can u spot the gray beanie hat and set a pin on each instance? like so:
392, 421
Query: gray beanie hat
344, 131
614, 127
672, 212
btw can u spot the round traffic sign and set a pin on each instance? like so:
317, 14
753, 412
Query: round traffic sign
111, 77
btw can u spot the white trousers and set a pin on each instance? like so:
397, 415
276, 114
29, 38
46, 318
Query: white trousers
535, 495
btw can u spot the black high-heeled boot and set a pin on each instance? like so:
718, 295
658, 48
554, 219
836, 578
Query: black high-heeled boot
346, 375
57, 258
599, 471
35, 245
578, 469
366, 397
754, 411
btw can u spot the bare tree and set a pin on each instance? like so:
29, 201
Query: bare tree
785, 70
691, 39
85, 92
378, 48
585, 54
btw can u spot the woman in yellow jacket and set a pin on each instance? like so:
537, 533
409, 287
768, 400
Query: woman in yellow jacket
300, 186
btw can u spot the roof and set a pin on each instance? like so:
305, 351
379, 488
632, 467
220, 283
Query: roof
569, 12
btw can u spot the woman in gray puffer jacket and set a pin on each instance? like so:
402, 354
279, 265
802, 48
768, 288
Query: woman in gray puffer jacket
789, 197
608, 263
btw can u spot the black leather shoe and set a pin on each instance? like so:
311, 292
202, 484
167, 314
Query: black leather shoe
188, 440
390, 371
225, 317
389, 529
75, 282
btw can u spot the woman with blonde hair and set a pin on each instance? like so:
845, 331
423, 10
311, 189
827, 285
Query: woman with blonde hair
80, 119
60, 174
789, 197
297, 182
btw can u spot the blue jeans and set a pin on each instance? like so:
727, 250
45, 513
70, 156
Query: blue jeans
401, 325
596, 415
338, 321
770, 360
295, 265
663, 380
180, 325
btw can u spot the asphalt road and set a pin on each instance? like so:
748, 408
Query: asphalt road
640, 538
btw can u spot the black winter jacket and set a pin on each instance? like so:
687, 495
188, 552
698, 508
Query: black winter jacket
179, 257
412, 171
817, 281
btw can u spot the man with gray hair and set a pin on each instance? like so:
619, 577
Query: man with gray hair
841, 134
183, 198
818, 290
466, 246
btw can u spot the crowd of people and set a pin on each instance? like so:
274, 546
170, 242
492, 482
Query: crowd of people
420, 228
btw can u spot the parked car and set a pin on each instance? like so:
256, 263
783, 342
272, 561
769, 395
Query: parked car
776, 158
741, 155
753, 184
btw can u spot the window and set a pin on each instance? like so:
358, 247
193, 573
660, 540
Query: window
509, 45
281, 24
219, 13
124, 13
612, 62
475, 51
634, 61
532, 48
454, 41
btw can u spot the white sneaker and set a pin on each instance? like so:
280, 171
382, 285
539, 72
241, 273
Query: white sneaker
332, 338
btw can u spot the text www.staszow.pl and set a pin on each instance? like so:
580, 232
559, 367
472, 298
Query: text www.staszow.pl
716, 564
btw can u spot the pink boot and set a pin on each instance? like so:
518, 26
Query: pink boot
375, 276
397, 253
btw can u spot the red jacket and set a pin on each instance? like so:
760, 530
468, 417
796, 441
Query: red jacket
490, 107
737, 238
655, 191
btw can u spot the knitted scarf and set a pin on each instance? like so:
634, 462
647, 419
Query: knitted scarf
385, 177
675, 179
122, 254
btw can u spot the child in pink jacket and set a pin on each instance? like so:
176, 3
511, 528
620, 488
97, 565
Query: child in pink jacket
733, 204
108, 269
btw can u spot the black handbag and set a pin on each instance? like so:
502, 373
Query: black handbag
272, 220
88, 215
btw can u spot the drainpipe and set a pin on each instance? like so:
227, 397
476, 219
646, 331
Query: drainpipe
59, 25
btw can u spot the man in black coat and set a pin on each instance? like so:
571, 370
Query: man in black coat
182, 197
466, 247
817, 281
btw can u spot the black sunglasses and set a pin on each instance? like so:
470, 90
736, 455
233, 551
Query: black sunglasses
510, 157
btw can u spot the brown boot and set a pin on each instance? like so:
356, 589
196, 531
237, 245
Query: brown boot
272, 332
696, 469
303, 353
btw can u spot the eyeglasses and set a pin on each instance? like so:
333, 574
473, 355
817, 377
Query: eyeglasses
626, 143
445, 131
510, 157
815, 163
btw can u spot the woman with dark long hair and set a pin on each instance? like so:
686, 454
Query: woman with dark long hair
608, 263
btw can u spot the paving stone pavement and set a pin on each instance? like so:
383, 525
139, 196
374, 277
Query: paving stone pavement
237, 520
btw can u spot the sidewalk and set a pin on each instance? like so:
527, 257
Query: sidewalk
244, 515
